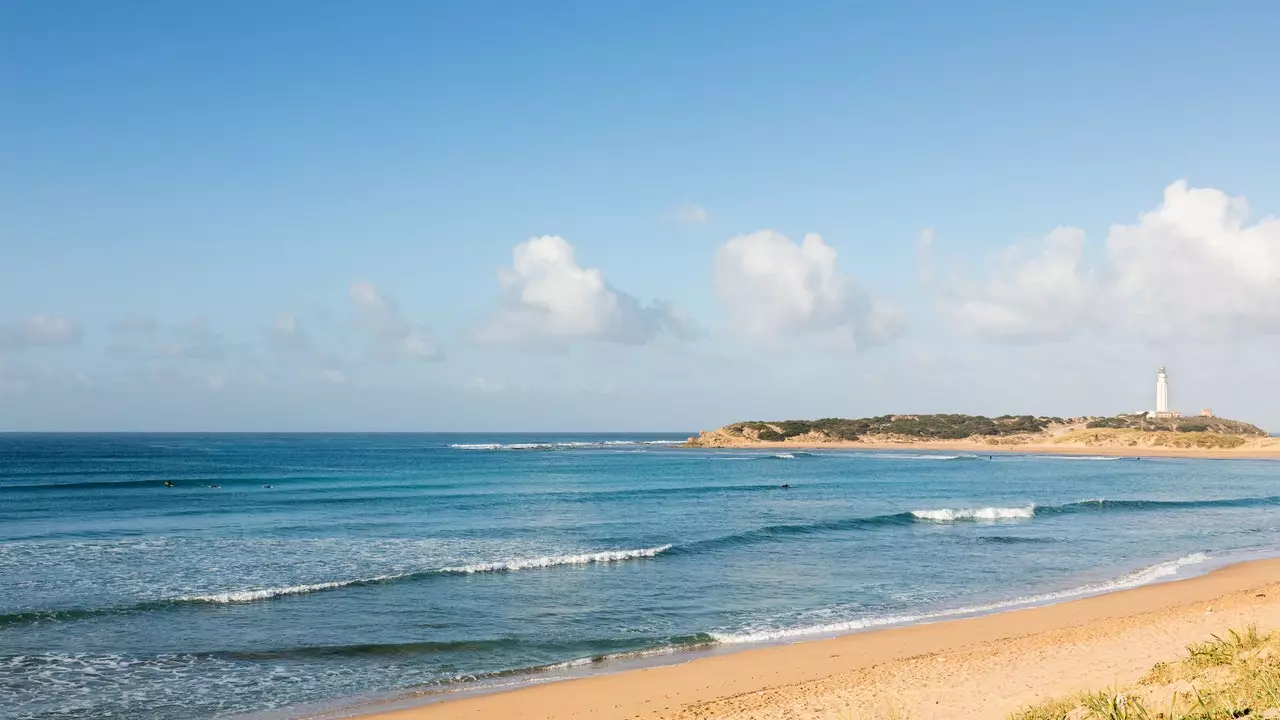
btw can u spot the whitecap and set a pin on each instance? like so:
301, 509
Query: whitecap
608, 556
987, 513
254, 595
241, 596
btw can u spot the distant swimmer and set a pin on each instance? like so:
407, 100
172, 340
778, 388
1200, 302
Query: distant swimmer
786, 486
169, 483
267, 487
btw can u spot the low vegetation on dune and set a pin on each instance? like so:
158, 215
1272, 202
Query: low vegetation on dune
1196, 424
1235, 676
1118, 431
1127, 437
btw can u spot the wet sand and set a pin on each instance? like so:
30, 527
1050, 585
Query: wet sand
968, 669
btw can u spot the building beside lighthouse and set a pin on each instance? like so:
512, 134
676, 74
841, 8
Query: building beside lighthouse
1162, 397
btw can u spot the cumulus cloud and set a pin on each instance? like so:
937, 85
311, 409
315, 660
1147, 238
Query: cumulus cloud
774, 288
692, 214
1045, 294
1195, 266
392, 335
549, 297
39, 331
1192, 267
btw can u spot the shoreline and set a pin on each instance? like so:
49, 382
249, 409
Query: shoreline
1269, 452
1117, 635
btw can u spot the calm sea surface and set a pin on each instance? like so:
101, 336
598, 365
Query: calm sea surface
285, 571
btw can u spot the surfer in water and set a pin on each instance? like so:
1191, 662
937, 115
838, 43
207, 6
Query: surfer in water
785, 486
169, 483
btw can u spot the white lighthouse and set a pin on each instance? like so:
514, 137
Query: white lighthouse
1162, 393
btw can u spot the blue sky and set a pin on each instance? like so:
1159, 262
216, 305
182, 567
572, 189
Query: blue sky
295, 215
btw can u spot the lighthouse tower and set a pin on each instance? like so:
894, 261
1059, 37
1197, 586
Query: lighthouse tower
1162, 392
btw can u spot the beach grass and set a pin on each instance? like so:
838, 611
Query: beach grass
1236, 675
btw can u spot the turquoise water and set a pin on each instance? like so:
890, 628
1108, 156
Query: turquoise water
282, 571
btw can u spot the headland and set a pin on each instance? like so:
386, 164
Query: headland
1123, 435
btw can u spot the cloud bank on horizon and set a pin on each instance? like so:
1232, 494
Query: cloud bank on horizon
1195, 267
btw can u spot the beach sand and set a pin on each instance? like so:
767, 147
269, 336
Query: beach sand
968, 669
1260, 449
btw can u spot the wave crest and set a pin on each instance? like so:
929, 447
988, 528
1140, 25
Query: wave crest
549, 561
608, 556
987, 513
560, 444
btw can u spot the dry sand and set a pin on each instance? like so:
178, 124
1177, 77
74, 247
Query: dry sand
1260, 449
968, 669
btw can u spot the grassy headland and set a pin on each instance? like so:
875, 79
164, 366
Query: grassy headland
1031, 432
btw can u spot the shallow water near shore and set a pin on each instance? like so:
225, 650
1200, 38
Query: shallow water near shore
286, 571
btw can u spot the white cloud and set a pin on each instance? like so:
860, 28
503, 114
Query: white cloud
774, 288
1030, 297
39, 330
1192, 267
393, 336
692, 214
549, 297
924, 255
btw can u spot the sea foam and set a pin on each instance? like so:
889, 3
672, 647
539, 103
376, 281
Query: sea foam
241, 596
608, 556
549, 561
1134, 579
558, 445
987, 513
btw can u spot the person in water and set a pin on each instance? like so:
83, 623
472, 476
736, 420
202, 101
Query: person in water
168, 483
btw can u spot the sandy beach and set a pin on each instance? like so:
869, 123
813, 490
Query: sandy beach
1262, 449
968, 669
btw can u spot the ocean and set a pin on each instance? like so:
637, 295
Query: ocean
286, 576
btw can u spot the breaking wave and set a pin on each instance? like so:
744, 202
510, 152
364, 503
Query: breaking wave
769, 533
548, 561
243, 596
987, 513
560, 445
269, 593
609, 556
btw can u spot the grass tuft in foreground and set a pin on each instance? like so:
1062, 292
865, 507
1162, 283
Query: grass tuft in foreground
1237, 676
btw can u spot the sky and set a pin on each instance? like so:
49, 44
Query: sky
585, 216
